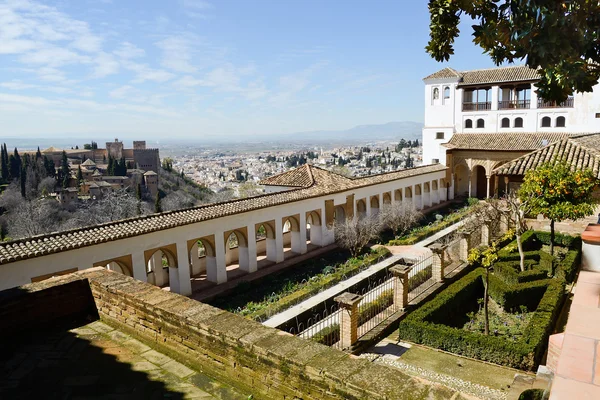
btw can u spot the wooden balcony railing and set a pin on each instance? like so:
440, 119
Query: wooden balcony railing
468, 106
552, 104
508, 104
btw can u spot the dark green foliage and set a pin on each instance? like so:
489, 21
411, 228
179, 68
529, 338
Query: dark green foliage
559, 239
532, 394
509, 271
511, 297
23, 181
567, 268
425, 325
157, 207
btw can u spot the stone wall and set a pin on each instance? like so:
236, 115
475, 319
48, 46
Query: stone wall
266, 362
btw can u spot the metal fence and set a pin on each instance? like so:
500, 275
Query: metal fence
375, 306
420, 277
323, 328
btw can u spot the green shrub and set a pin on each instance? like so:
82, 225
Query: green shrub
424, 325
547, 262
328, 335
420, 278
511, 297
510, 271
532, 394
567, 268
368, 310
572, 242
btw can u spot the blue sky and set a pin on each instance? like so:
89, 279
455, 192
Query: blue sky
193, 68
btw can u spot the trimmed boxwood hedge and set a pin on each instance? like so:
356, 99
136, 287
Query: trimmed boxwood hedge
511, 297
567, 268
425, 325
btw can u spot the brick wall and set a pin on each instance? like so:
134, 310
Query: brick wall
266, 362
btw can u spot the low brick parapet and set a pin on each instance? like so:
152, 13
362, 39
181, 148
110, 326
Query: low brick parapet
264, 361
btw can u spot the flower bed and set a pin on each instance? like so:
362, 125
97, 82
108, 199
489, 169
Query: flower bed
274, 293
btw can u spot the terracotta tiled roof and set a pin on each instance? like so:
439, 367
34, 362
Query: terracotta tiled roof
298, 177
324, 183
499, 75
444, 73
509, 141
579, 151
89, 162
519, 73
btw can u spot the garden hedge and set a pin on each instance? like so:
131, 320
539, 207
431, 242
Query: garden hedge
425, 325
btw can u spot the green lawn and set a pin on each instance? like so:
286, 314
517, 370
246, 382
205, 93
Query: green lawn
492, 376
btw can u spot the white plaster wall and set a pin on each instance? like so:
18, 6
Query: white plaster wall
21, 272
438, 118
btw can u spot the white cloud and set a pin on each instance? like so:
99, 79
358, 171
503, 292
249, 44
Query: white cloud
146, 73
197, 8
177, 53
105, 65
17, 85
129, 51
121, 92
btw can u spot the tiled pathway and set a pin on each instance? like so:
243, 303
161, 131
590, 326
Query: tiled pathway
99, 362
578, 371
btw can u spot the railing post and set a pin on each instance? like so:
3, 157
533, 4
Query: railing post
438, 262
465, 245
400, 273
348, 318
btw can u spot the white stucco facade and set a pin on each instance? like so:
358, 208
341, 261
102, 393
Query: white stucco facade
496, 107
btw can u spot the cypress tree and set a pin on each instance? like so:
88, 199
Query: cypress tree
79, 175
64, 170
38, 154
157, 203
23, 179
4, 163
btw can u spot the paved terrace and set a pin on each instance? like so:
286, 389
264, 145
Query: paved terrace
96, 360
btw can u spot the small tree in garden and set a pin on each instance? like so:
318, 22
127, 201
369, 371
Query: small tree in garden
400, 217
558, 193
489, 257
355, 233
517, 210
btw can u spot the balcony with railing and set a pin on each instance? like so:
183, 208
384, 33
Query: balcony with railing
513, 104
479, 106
552, 104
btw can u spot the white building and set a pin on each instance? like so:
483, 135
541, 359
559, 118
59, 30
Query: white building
497, 100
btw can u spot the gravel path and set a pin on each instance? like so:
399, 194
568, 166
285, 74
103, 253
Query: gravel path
473, 389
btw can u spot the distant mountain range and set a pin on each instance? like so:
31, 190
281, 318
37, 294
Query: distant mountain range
392, 130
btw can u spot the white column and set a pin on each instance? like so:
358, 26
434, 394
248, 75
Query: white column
495, 97
139, 266
279, 257
219, 272
451, 196
534, 97
470, 183
183, 269
301, 248
157, 267
368, 205
271, 249
252, 266
487, 179
196, 269
243, 258
316, 236
174, 280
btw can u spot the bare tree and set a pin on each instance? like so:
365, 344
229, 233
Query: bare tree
355, 233
177, 200
112, 206
518, 209
31, 218
400, 217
